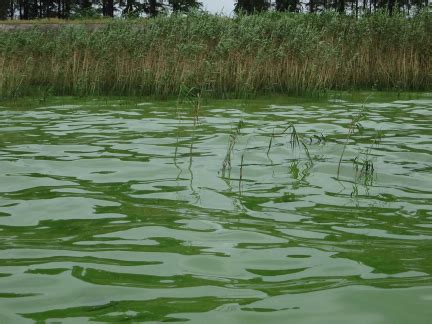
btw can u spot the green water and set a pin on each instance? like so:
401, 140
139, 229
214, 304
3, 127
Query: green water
118, 211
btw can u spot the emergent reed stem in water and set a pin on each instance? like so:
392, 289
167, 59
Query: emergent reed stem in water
263, 53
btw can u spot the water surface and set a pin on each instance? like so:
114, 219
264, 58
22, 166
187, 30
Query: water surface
120, 210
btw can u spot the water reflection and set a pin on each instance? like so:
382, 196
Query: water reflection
117, 211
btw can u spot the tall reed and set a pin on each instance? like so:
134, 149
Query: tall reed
220, 56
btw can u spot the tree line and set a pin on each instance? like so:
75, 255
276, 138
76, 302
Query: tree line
354, 7
33, 9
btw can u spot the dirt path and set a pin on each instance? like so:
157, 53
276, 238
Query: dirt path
47, 27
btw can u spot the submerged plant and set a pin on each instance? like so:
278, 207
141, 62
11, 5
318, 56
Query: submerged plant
354, 125
300, 172
226, 164
363, 163
296, 140
241, 171
192, 96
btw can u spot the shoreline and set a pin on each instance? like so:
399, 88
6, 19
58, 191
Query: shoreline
243, 57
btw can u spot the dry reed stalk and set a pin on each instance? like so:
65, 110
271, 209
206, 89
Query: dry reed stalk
224, 59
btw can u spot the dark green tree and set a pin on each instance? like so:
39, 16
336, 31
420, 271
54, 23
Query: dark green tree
132, 7
153, 7
4, 9
390, 6
86, 4
108, 8
251, 6
288, 5
340, 6
32, 9
184, 5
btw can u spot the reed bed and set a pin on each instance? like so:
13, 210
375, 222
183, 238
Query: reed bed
221, 56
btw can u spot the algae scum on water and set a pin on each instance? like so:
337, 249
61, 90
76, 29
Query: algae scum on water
282, 210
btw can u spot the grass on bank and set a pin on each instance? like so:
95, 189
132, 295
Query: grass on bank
221, 56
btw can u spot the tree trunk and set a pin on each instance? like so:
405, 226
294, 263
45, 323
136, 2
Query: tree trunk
25, 10
287, 5
12, 9
4, 9
390, 7
153, 8
341, 6
311, 6
129, 6
108, 8
66, 9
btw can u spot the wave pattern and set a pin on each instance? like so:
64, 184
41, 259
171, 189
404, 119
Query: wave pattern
115, 210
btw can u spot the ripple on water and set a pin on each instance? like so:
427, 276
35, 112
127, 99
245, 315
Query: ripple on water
114, 211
